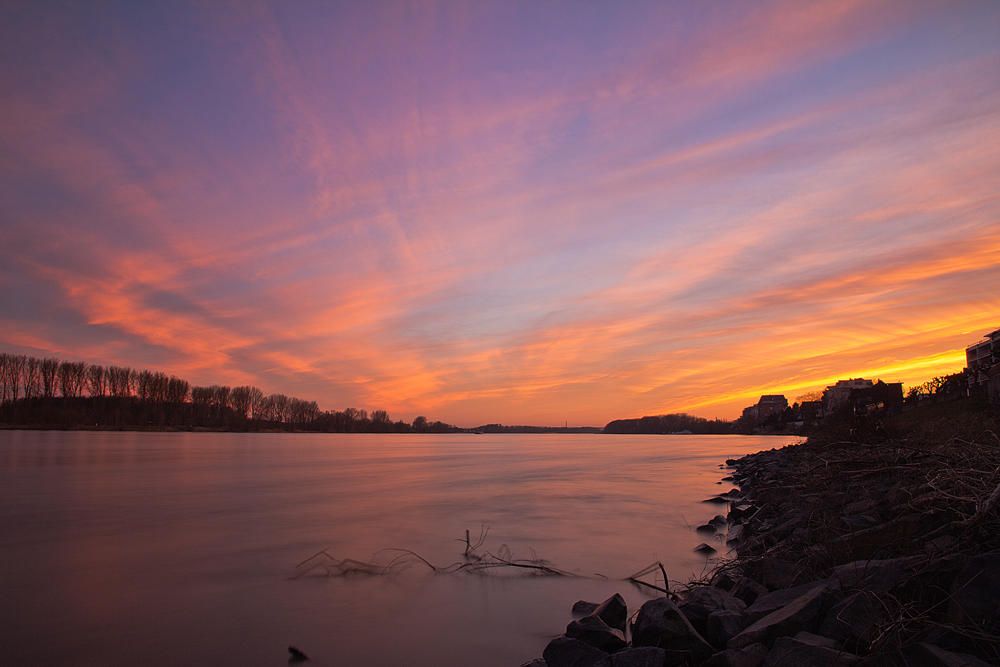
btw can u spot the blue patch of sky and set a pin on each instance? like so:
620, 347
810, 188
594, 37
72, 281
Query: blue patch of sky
177, 75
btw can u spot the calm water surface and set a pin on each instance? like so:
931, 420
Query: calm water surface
181, 548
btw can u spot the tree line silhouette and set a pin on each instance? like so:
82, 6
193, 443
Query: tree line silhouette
67, 394
672, 423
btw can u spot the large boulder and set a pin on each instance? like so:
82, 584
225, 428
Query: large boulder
749, 656
858, 522
930, 582
855, 621
722, 626
817, 640
741, 512
862, 543
646, 656
613, 611
747, 590
802, 613
959, 640
789, 651
594, 631
660, 623
975, 594
569, 652
775, 573
877, 575
701, 601
772, 602
714, 598
922, 655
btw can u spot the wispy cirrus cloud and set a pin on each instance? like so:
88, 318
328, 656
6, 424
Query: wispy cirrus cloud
506, 213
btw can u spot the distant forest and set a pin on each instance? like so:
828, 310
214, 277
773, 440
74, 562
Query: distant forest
49, 393
500, 428
669, 424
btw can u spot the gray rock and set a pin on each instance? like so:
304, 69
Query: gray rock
660, 623
928, 654
701, 601
786, 525
750, 656
747, 589
816, 640
537, 662
854, 574
788, 651
877, 575
803, 613
752, 547
858, 521
584, 608
932, 580
776, 573
723, 580
975, 594
613, 611
939, 545
772, 602
646, 656
921, 655
855, 620
569, 652
984, 647
722, 626
715, 598
594, 631
861, 543
741, 511
861, 506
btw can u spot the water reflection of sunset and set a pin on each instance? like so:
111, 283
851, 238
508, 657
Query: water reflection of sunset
182, 547
517, 214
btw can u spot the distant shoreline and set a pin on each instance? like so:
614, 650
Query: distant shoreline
515, 430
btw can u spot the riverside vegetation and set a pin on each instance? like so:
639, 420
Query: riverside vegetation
871, 544
49, 393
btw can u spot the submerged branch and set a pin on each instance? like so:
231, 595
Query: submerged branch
475, 563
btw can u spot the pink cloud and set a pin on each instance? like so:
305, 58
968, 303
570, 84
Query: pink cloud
526, 246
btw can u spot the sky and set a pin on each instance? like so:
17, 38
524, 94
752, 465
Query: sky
517, 212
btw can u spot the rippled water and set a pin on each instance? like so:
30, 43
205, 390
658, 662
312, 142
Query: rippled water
181, 548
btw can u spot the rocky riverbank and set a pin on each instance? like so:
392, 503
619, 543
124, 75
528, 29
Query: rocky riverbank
870, 551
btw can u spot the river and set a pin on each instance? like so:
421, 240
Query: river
182, 548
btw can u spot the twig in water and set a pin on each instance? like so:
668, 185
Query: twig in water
403, 554
653, 568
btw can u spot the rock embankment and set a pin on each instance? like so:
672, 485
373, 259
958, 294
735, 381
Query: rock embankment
842, 554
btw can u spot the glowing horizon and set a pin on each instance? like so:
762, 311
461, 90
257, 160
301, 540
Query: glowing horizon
514, 213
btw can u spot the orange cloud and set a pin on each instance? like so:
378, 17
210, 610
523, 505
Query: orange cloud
762, 202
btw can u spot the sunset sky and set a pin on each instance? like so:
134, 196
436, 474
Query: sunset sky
515, 212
